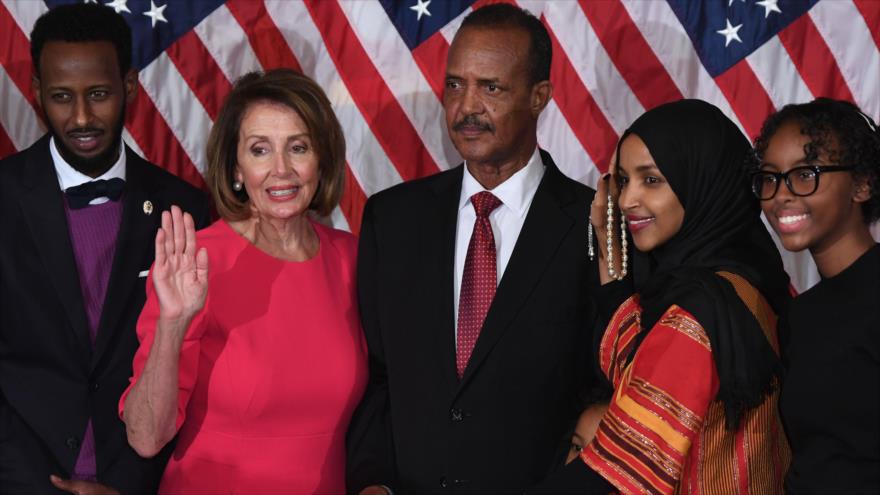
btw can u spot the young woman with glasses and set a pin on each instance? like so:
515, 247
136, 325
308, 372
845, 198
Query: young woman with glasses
817, 176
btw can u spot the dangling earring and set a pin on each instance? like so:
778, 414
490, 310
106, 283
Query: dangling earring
236, 186
623, 246
591, 252
609, 243
609, 238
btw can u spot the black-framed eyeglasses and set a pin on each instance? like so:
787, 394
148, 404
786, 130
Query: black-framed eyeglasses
801, 181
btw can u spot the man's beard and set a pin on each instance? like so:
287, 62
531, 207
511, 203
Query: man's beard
95, 165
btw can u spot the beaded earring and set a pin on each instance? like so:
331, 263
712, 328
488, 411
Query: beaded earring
609, 243
591, 252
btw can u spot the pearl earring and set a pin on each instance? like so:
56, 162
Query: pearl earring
236, 186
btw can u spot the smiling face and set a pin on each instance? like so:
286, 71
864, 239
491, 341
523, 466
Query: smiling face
653, 212
83, 96
277, 163
491, 106
819, 220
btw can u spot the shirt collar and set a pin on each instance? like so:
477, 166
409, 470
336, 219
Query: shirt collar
515, 193
71, 177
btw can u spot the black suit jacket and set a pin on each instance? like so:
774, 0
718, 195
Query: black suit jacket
418, 428
51, 379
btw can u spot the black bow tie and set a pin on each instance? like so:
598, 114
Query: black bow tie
80, 196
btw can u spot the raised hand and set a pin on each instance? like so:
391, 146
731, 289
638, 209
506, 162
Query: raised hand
180, 271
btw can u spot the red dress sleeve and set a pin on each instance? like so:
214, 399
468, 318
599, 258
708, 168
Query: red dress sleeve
658, 407
189, 351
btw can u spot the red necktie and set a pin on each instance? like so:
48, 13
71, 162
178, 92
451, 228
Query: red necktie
478, 280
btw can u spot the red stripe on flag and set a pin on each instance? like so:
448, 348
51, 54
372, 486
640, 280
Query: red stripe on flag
870, 10
631, 54
15, 56
580, 110
200, 71
374, 99
747, 97
157, 141
6, 146
430, 56
263, 35
352, 202
814, 61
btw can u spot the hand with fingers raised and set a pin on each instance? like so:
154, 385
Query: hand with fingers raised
180, 271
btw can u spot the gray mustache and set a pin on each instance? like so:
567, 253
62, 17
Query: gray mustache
472, 121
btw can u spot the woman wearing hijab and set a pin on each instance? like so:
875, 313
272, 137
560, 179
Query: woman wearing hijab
818, 180
692, 355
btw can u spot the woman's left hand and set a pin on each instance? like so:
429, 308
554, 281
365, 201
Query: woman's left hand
80, 487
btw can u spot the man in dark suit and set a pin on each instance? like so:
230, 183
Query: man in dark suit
80, 212
475, 288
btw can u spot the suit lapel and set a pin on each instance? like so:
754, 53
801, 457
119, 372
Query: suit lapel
133, 248
546, 225
438, 256
43, 209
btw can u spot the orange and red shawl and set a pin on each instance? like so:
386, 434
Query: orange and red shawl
664, 431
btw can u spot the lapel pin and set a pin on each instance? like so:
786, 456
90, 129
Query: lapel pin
148, 207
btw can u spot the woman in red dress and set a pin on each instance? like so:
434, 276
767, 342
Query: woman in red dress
251, 349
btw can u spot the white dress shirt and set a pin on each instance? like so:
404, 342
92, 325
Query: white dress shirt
516, 194
71, 177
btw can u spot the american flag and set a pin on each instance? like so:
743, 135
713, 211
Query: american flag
382, 62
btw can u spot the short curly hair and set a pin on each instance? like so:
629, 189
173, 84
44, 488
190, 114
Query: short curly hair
840, 131
82, 23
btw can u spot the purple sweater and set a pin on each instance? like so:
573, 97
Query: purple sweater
93, 233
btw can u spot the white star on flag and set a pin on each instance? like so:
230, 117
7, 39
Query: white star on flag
769, 6
119, 6
421, 8
155, 13
91, 1
730, 33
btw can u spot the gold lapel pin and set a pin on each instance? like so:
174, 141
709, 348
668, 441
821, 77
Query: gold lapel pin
148, 207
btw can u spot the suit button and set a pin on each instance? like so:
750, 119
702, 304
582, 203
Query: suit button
93, 386
456, 415
443, 483
72, 443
